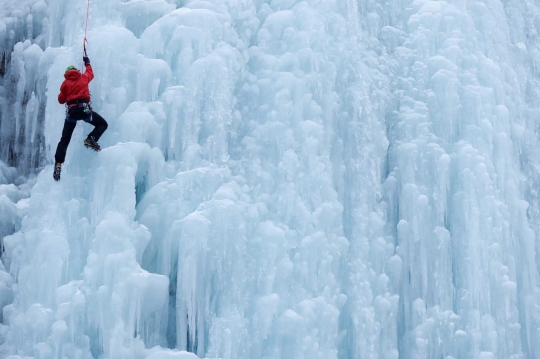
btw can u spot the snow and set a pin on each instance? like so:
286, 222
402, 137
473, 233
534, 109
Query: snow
279, 179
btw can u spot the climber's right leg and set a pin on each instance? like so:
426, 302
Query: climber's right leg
100, 125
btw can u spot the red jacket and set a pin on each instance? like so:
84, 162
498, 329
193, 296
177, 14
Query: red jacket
75, 86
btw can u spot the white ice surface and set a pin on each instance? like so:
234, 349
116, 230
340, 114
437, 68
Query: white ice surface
280, 179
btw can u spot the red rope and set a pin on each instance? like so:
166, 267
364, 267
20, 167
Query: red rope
86, 30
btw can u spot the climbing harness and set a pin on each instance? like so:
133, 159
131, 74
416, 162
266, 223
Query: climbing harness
79, 110
86, 31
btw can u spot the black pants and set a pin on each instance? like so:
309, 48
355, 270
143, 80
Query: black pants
99, 123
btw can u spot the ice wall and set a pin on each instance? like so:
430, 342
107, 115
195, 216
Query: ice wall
462, 227
280, 179
23, 36
14, 191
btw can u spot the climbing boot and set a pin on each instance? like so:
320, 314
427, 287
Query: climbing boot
91, 142
57, 170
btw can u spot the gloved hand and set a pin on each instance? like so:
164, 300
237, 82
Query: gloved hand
86, 60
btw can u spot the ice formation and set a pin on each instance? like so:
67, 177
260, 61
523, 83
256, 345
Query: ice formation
280, 179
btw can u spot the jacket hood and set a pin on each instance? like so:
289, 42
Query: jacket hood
72, 75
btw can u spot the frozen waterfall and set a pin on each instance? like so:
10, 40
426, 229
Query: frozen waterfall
281, 179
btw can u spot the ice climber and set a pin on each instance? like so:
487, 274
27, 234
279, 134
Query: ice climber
75, 94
